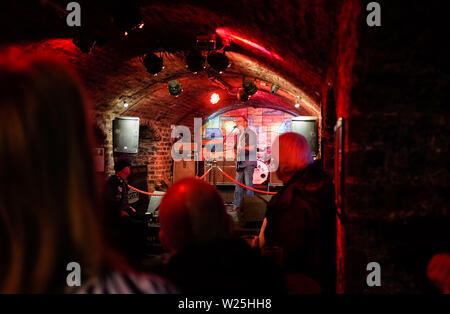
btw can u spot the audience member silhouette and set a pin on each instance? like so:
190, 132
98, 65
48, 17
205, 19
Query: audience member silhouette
206, 257
301, 218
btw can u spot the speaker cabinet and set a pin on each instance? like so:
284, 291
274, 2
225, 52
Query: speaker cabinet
183, 169
126, 135
308, 127
229, 167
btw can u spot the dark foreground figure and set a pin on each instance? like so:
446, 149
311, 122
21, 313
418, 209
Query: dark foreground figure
205, 257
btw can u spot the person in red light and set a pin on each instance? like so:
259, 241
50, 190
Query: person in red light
438, 272
206, 258
50, 211
127, 229
301, 218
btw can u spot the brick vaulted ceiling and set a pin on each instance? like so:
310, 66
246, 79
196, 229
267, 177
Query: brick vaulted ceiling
302, 33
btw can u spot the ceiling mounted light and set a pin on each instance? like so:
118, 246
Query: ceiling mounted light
242, 95
195, 61
218, 61
297, 102
274, 88
214, 98
153, 63
249, 87
174, 88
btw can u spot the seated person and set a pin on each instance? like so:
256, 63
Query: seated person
127, 230
301, 217
205, 257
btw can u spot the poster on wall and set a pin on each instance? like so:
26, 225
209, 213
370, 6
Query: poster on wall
99, 159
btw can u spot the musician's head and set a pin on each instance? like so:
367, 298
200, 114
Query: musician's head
293, 154
48, 193
242, 122
192, 213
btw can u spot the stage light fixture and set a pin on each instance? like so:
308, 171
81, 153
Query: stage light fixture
242, 95
174, 88
274, 88
214, 98
297, 105
195, 61
249, 87
218, 61
153, 63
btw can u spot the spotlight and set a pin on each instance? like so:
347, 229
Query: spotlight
153, 63
174, 88
125, 105
274, 88
249, 87
195, 61
214, 98
218, 61
297, 105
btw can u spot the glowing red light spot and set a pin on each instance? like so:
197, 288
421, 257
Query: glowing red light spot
229, 36
215, 98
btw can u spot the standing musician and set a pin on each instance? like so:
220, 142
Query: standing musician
246, 162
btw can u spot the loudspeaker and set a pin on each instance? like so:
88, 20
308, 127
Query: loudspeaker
229, 167
126, 135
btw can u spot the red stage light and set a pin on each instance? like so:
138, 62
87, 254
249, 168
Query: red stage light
215, 98
228, 36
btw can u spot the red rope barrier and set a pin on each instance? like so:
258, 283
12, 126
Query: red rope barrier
162, 194
203, 176
243, 185
146, 193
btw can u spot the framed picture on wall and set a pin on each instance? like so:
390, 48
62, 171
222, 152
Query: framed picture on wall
99, 159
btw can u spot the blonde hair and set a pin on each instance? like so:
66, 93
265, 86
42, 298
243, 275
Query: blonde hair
192, 213
48, 195
292, 152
